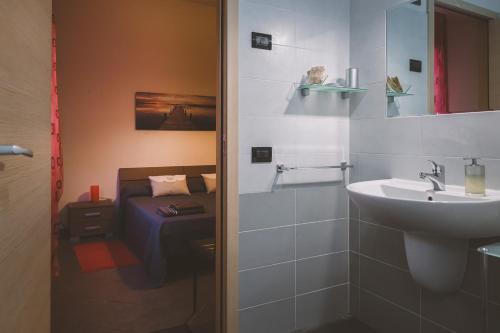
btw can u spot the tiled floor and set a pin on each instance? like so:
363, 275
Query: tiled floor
122, 300
347, 326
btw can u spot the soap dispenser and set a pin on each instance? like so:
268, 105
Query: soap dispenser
475, 178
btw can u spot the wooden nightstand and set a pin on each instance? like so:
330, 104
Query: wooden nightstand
90, 219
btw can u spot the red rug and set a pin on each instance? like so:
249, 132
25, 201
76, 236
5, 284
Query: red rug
94, 257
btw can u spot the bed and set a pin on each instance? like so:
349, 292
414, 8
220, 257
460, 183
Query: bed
155, 239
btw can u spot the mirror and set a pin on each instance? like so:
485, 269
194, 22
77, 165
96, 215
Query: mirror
407, 59
456, 46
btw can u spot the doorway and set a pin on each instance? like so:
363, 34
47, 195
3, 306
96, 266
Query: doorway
138, 93
462, 61
25, 192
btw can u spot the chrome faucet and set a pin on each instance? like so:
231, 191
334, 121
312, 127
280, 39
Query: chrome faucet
436, 177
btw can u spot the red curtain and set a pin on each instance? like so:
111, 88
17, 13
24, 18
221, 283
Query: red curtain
56, 161
440, 66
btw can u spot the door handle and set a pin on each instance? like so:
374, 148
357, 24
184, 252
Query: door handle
15, 150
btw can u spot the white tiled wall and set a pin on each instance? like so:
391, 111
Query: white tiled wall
293, 253
294, 229
272, 111
400, 147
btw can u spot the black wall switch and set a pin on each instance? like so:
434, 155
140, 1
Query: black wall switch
262, 154
415, 66
262, 41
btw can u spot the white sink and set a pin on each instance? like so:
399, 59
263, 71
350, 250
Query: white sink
437, 225
407, 205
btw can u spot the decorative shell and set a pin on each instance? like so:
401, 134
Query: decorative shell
316, 75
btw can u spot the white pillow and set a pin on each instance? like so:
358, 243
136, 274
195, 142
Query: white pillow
169, 185
210, 180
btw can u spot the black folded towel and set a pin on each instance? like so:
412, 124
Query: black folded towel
181, 208
186, 205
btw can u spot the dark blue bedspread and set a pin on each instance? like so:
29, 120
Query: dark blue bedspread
154, 238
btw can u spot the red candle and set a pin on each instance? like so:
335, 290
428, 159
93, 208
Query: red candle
94, 193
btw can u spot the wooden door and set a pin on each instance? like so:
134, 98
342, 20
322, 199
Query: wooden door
25, 64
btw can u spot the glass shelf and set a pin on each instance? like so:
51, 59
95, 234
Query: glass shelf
392, 94
307, 88
492, 250
396, 94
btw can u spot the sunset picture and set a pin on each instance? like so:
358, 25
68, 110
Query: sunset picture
173, 112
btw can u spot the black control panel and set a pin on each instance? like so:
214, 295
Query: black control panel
262, 154
262, 41
415, 66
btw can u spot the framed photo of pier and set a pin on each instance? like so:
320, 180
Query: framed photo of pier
174, 112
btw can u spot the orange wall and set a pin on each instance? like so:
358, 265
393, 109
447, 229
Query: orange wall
107, 51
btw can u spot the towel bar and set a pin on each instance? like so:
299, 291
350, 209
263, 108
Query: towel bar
280, 168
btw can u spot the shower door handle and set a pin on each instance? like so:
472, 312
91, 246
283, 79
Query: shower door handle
15, 150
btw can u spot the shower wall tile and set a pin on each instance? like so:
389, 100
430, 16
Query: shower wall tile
386, 317
354, 137
410, 166
315, 34
380, 243
285, 4
267, 210
319, 130
367, 31
363, 9
278, 317
493, 318
281, 240
322, 272
354, 235
266, 247
272, 111
353, 300
262, 18
459, 311
392, 284
314, 239
281, 260
334, 10
370, 104
472, 282
277, 65
390, 136
353, 210
372, 167
266, 131
461, 135
321, 203
430, 327
371, 64
319, 308
258, 177
264, 98
268, 284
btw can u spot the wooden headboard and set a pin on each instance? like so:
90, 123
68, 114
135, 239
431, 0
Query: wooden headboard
131, 174
135, 181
